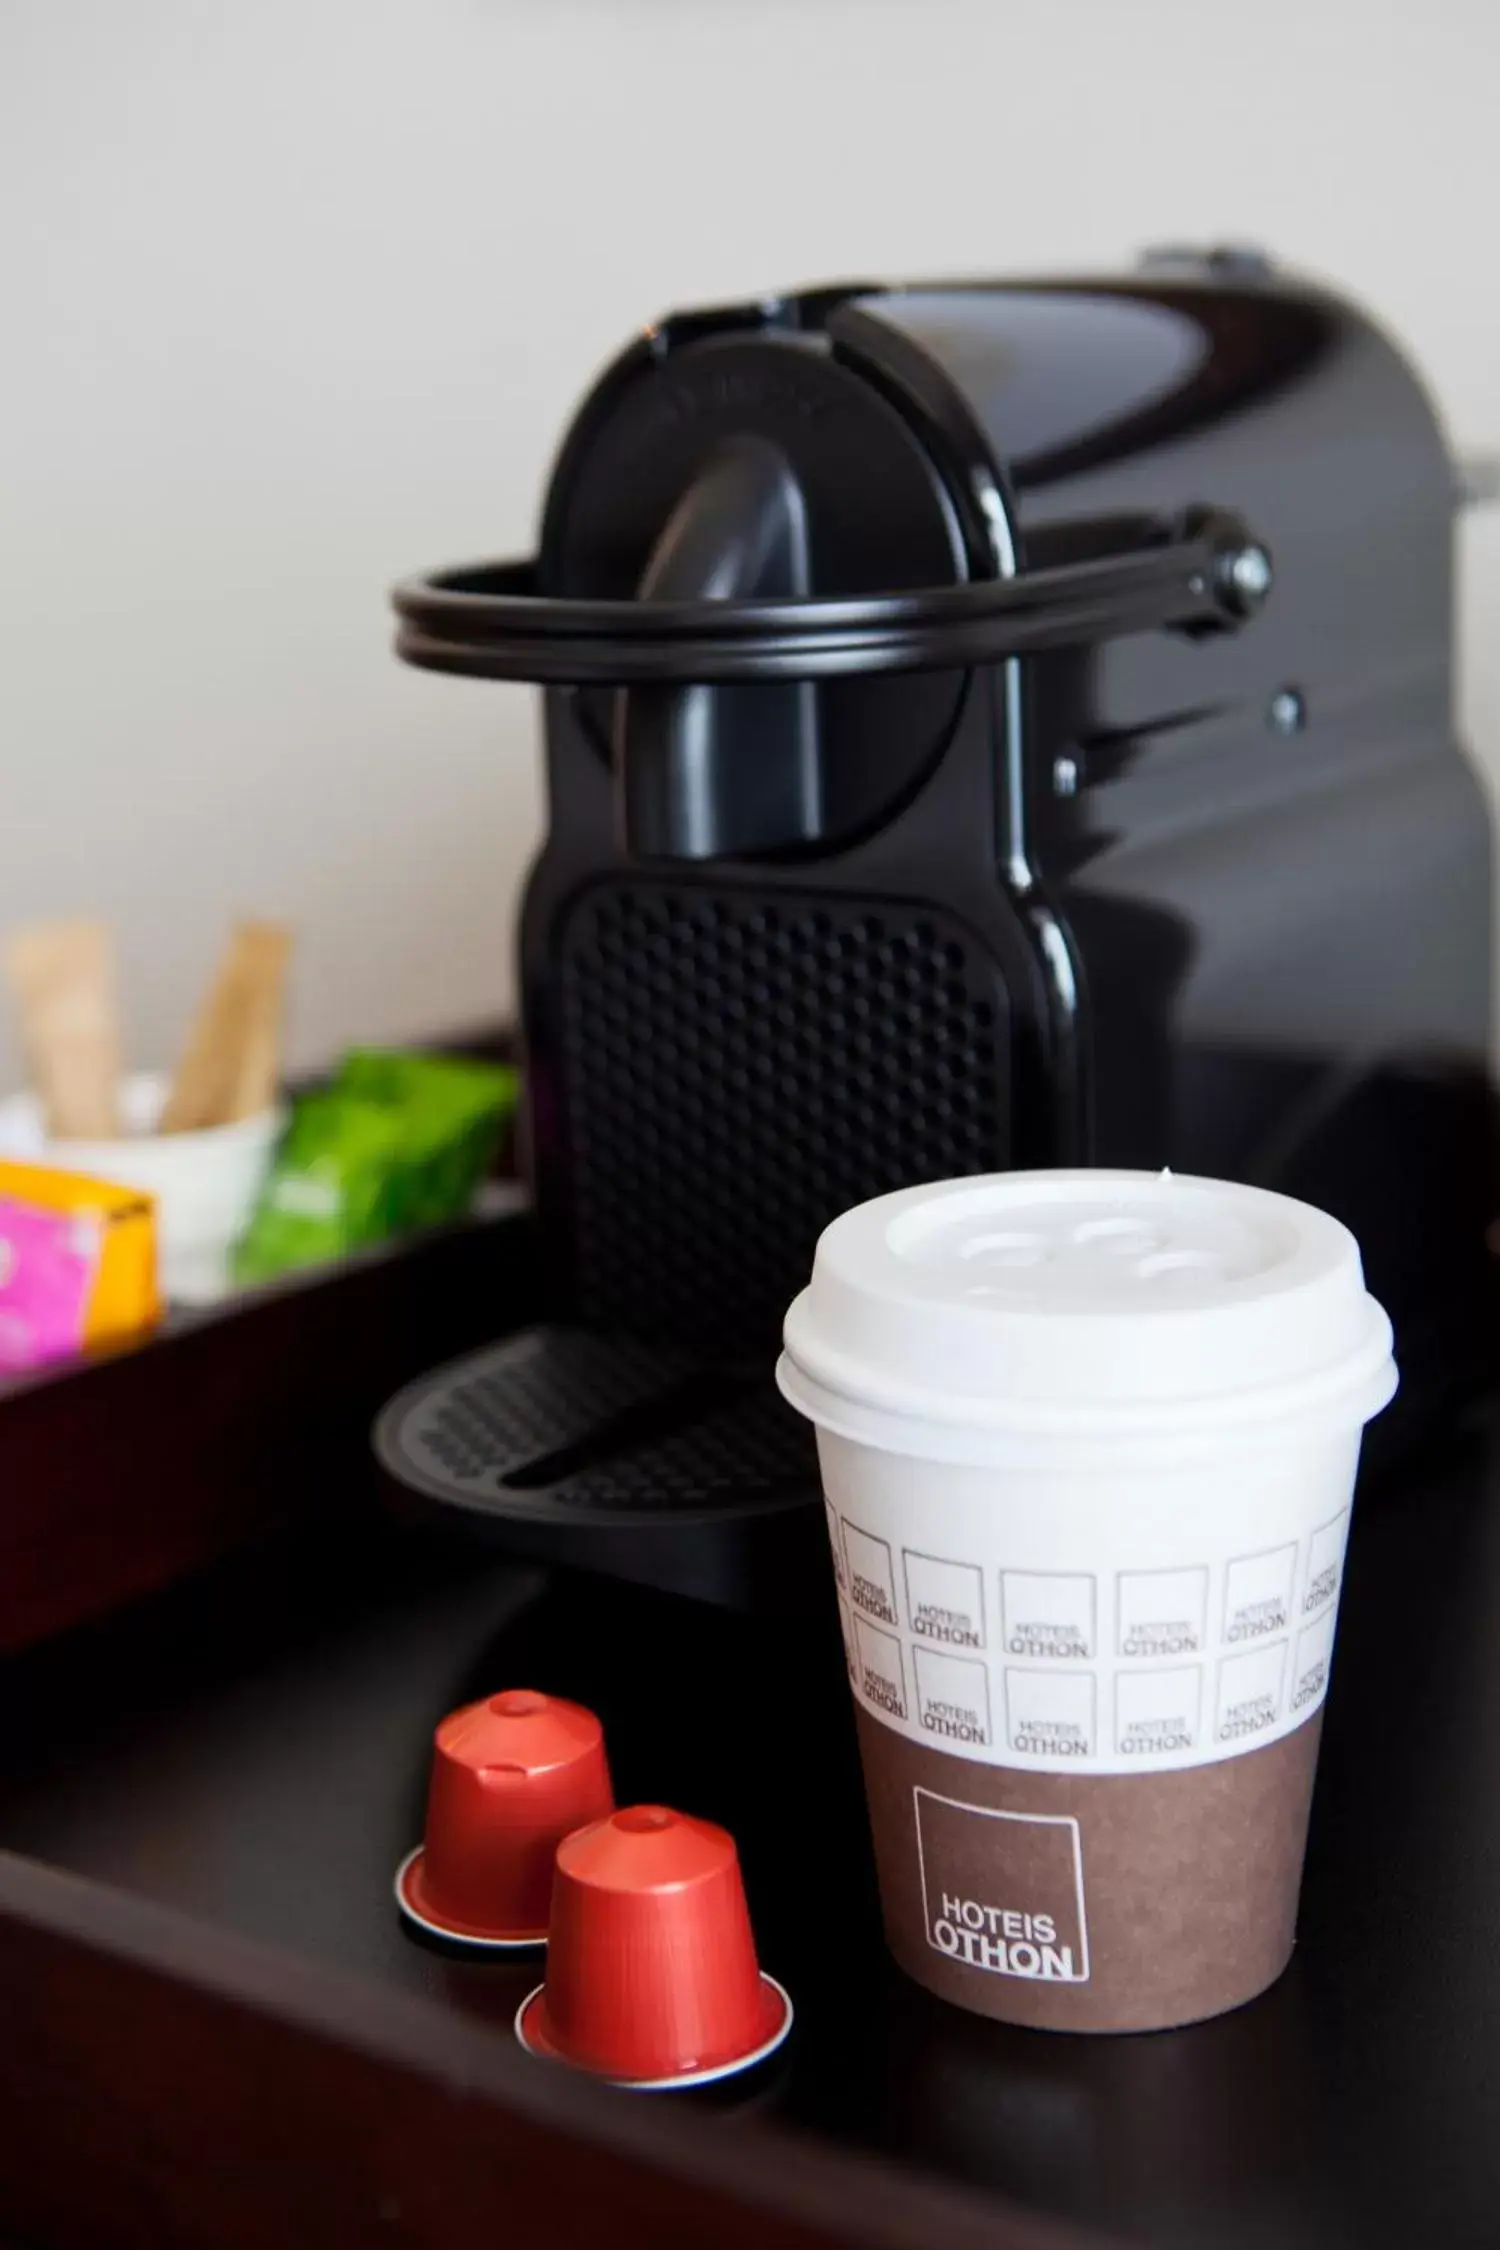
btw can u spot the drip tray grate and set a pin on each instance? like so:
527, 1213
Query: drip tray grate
560, 1425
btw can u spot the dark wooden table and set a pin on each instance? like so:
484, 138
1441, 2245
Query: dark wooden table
215, 2031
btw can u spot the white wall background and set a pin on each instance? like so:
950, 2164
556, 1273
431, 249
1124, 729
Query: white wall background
296, 294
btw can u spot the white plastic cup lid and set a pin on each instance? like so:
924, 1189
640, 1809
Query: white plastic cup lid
1089, 1301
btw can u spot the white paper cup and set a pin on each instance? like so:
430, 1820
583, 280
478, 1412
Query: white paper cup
204, 1183
1088, 1442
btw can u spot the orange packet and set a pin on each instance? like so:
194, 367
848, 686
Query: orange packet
77, 1264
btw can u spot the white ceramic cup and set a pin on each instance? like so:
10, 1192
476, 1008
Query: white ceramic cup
1088, 1442
204, 1183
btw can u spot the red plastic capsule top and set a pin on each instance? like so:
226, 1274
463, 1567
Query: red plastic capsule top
651, 1968
511, 1776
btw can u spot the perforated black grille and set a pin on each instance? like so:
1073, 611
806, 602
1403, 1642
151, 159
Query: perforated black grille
532, 1396
755, 1449
557, 1425
737, 1069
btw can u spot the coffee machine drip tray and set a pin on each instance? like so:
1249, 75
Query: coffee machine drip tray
563, 1426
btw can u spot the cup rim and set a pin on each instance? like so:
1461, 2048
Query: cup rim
835, 1395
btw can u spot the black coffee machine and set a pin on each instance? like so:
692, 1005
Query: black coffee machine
987, 725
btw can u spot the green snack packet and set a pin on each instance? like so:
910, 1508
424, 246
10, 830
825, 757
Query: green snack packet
397, 1141
453, 1112
328, 1190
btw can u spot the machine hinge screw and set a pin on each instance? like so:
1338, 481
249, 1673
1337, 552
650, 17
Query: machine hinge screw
1250, 577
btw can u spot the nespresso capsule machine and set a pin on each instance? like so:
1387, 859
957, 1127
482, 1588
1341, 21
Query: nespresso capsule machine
987, 725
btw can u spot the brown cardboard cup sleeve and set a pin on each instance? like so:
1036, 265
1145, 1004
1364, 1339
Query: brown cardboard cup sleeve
1089, 1902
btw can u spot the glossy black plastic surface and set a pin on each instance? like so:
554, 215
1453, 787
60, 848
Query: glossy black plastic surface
703, 771
1226, 898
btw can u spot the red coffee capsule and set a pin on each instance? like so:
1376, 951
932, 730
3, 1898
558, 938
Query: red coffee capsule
652, 1978
511, 1776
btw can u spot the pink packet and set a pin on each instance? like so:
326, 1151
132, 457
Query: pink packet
47, 1264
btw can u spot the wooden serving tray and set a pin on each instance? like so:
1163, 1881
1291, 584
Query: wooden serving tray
122, 1473
216, 2032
